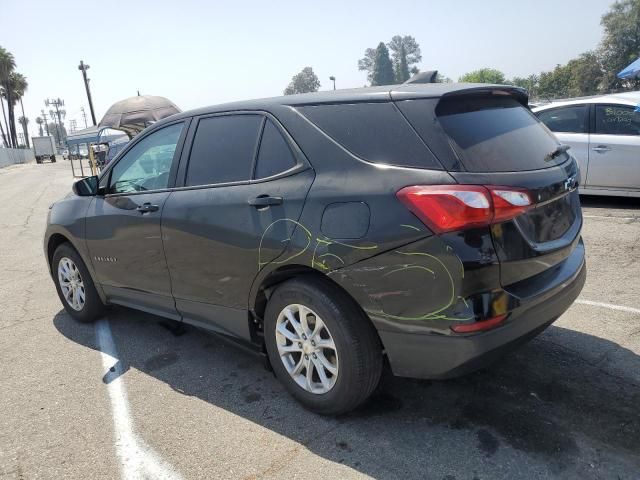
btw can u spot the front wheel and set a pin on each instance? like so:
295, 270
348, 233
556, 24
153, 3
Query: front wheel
321, 346
75, 286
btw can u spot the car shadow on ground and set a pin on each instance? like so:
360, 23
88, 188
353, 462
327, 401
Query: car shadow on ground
622, 203
547, 400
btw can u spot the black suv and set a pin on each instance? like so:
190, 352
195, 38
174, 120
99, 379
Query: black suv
430, 227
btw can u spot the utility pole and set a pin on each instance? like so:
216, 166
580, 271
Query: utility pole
84, 69
84, 116
57, 102
46, 122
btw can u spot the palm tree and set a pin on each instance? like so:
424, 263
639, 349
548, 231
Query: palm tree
24, 121
39, 121
20, 85
7, 65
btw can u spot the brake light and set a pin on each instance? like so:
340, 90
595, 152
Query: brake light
480, 326
446, 208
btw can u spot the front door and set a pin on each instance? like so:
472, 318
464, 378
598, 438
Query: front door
234, 214
123, 226
614, 158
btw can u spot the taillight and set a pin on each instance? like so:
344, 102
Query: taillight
446, 208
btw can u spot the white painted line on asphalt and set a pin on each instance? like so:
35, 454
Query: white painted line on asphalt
137, 461
610, 216
610, 306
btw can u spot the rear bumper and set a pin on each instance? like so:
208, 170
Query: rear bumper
445, 356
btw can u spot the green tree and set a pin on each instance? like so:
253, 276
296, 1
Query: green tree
58, 132
484, 75
382, 68
303, 82
367, 62
405, 53
530, 83
621, 42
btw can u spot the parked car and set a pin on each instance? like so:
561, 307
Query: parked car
430, 227
604, 135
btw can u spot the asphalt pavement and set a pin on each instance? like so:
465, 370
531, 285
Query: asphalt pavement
132, 397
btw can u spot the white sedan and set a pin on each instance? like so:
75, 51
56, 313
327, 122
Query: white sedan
604, 135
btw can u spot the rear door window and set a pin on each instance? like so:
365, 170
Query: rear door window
376, 132
274, 155
223, 149
617, 120
571, 119
491, 134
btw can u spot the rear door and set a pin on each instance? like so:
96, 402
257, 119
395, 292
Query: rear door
495, 140
243, 185
615, 148
570, 124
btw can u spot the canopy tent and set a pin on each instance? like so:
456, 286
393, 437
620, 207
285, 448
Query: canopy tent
631, 72
92, 135
134, 114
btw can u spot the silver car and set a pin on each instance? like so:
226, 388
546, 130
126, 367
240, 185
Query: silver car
604, 135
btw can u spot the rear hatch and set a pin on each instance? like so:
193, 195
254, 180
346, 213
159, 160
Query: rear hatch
487, 136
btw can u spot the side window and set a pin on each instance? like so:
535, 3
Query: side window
617, 120
275, 155
223, 149
566, 119
376, 132
146, 166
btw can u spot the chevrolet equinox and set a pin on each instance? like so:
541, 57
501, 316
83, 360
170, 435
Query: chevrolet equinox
426, 227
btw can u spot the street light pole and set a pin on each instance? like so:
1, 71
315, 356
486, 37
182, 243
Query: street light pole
332, 78
84, 68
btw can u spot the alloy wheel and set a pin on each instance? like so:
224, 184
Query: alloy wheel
71, 283
306, 349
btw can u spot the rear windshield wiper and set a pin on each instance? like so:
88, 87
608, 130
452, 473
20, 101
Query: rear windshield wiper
558, 151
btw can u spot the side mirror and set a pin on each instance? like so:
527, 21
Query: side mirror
86, 187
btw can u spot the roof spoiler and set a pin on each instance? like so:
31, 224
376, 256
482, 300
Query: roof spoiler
430, 76
519, 93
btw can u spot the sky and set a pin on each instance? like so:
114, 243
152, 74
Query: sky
199, 53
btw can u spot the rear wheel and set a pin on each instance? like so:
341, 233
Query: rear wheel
321, 346
75, 286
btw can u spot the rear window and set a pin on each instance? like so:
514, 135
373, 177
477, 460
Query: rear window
491, 134
376, 132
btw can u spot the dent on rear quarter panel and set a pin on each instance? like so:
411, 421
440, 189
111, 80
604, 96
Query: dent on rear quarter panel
415, 286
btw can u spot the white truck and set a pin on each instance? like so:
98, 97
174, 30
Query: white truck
44, 149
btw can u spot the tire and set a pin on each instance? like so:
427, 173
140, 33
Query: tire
38, 161
92, 308
357, 357
53, 159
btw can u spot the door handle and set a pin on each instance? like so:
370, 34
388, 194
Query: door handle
147, 207
265, 201
601, 148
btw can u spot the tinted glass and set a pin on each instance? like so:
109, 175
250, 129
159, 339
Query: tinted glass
617, 120
565, 119
496, 135
376, 132
223, 149
275, 155
147, 165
